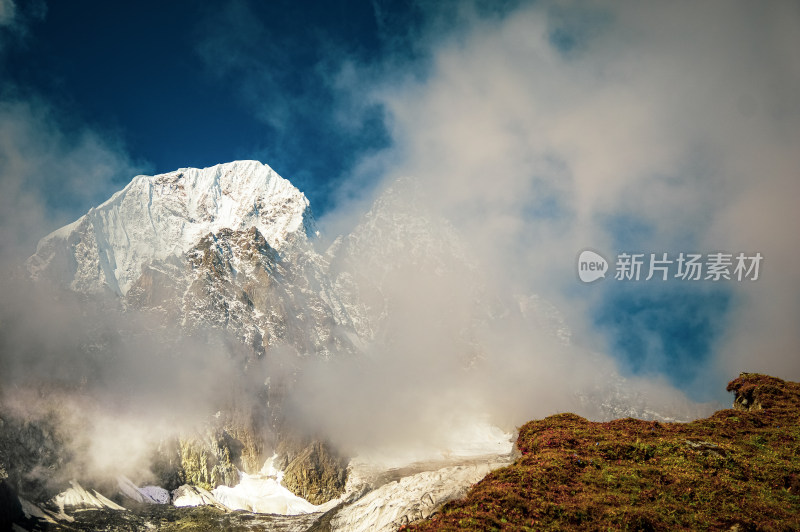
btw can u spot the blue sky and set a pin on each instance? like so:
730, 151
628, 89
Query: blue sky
541, 128
183, 85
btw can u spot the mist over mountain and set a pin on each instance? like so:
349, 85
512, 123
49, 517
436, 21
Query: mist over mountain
193, 319
190, 335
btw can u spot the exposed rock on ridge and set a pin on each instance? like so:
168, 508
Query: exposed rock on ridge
317, 473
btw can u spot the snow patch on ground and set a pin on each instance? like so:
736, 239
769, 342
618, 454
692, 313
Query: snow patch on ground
405, 485
156, 494
259, 494
409, 499
263, 493
78, 497
188, 495
146, 494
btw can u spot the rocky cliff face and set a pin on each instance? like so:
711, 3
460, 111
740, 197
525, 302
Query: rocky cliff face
317, 473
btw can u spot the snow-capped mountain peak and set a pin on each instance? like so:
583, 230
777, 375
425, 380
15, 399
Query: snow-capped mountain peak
155, 217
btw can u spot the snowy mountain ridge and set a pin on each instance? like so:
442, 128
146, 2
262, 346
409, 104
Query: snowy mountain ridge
155, 217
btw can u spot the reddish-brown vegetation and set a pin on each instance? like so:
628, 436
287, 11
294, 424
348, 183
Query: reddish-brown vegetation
736, 470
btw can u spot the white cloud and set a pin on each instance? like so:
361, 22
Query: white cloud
50, 173
682, 115
7, 12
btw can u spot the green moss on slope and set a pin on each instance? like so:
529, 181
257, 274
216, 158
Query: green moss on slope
737, 470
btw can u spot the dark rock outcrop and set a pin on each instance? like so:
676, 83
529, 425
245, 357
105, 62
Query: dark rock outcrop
756, 392
209, 462
10, 507
33, 455
316, 472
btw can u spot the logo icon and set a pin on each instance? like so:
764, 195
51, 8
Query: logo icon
591, 266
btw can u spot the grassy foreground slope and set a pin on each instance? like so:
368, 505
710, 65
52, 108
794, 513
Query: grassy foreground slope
737, 470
